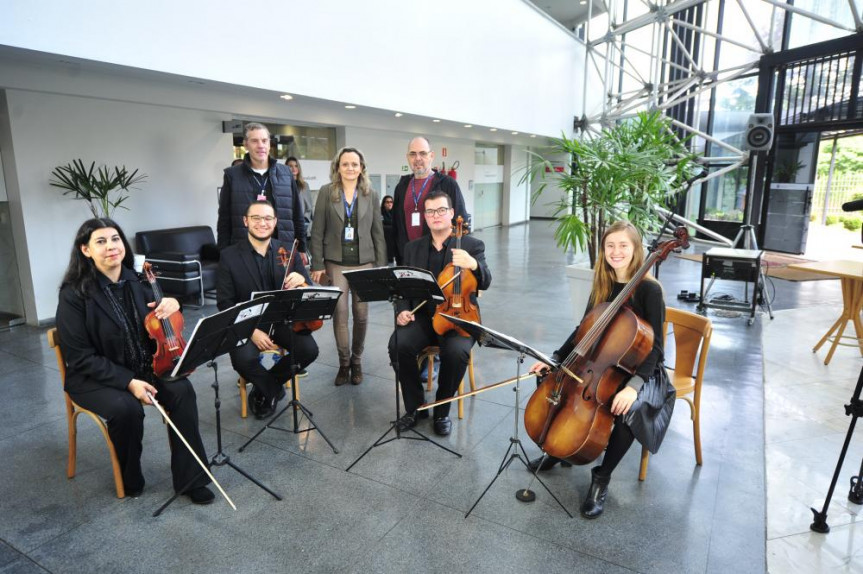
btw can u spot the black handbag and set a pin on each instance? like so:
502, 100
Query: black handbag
650, 414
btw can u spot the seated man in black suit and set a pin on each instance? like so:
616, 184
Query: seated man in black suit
254, 265
433, 252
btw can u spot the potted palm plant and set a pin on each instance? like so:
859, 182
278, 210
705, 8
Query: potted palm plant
620, 173
97, 186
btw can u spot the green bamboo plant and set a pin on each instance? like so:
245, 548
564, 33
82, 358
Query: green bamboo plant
621, 173
95, 186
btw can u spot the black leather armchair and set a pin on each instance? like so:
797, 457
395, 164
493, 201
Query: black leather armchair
185, 259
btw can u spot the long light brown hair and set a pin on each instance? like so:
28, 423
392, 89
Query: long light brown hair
604, 276
363, 182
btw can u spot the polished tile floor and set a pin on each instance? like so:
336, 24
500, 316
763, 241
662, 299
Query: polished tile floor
401, 508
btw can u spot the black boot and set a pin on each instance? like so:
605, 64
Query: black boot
546, 464
595, 500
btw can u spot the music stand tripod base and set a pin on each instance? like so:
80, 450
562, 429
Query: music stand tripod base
289, 307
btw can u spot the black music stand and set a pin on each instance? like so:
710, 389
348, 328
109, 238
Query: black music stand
490, 338
214, 336
394, 284
292, 306
854, 409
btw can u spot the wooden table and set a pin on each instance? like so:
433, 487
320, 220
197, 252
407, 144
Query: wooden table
850, 273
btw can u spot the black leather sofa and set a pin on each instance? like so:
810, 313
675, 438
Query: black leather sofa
184, 259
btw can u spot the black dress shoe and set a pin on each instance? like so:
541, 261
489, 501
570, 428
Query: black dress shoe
546, 464
201, 495
442, 426
408, 421
134, 492
269, 405
257, 402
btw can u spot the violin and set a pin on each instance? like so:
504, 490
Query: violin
457, 285
167, 332
569, 415
287, 261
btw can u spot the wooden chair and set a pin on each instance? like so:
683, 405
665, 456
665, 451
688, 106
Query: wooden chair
429, 353
72, 412
691, 333
242, 385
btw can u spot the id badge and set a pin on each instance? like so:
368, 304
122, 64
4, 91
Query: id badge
262, 197
349, 233
415, 219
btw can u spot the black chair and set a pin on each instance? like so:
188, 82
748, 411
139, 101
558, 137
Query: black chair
185, 259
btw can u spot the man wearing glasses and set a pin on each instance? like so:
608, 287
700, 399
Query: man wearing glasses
411, 191
259, 177
254, 265
433, 252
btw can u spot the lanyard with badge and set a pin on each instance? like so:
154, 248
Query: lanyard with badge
415, 216
262, 196
349, 210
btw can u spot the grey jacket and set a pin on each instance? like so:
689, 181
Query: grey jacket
330, 222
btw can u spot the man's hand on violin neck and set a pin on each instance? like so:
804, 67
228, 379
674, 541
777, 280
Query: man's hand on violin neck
461, 258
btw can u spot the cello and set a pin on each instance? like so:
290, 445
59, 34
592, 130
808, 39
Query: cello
457, 285
167, 332
569, 415
287, 262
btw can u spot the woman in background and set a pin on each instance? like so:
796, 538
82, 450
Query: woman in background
305, 193
387, 219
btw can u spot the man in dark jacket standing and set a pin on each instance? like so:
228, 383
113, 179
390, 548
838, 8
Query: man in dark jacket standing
259, 178
408, 220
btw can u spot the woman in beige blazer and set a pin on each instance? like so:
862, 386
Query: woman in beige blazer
347, 234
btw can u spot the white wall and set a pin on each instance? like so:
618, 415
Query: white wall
516, 193
489, 62
182, 151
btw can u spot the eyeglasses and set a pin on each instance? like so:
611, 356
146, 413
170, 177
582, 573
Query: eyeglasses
439, 211
415, 154
260, 218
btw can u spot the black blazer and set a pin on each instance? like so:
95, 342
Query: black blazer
238, 274
91, 337
417, 255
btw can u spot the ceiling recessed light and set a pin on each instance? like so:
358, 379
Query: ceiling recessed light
287, 97
514, 133
399, 114
468, 125
492, 129
436, 121
533, 136
350, 107
583, 2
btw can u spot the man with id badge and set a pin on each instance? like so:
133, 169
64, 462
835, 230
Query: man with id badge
260, 178
411, 191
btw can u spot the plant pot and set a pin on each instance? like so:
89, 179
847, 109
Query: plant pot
580, 282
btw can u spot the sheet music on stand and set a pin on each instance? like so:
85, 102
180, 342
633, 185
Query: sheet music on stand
488, 337
301, 304
219, 334
389, 283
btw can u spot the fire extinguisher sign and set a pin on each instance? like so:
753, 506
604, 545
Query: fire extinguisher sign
443, 152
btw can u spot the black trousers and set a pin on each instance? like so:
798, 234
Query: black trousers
245, 360
125, 417
454, 357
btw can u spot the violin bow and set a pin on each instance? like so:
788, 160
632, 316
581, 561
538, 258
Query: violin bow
194, 454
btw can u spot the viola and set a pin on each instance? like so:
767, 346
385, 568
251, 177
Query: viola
458, 285
167, 332
287, 261
569, 415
